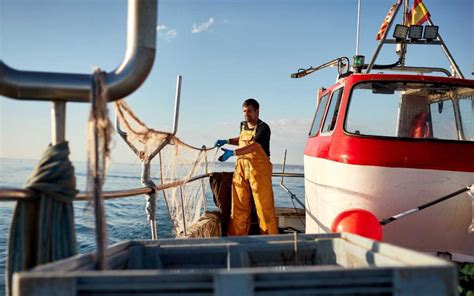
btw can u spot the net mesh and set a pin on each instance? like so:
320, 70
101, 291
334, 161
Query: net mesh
179, 164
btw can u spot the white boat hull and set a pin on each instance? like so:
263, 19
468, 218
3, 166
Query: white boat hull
332, 187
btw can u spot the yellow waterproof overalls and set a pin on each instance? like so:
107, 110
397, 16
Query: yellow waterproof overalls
252, 176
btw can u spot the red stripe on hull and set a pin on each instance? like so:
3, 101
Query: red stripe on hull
418, 154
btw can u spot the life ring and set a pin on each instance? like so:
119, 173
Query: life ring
420, 127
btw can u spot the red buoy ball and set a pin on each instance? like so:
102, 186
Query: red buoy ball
358, 221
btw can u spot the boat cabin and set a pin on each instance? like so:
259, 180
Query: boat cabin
390, 142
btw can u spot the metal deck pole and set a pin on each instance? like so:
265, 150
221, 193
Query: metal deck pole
58, 122
179, 79
358, 27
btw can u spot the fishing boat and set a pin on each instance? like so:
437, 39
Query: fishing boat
417, 154
395, 143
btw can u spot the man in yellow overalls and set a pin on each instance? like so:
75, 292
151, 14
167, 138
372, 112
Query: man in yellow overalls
253, 174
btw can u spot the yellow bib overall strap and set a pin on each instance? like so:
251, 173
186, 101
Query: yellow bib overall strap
246, 138
252, 177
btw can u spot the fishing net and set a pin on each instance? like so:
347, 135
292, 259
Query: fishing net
180, 167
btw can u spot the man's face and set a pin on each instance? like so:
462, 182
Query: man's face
250, 114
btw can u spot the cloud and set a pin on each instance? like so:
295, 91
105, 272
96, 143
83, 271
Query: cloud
291, 134
161, 28
166, 33
202, 27
171, 33
285, 128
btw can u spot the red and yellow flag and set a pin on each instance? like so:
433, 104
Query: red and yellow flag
386, 21
418, 14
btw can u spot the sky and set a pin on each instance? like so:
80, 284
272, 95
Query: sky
226, 51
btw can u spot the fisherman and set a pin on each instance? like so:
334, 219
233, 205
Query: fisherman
252, 175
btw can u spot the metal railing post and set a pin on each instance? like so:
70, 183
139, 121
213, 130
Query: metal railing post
58, 122
203, 185
179, 78
292, 195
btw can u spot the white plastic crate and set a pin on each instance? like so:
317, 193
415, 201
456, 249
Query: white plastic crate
332, 264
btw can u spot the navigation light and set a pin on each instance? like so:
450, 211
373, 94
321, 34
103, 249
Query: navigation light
358, 63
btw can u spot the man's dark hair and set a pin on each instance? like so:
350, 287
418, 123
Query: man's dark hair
251, 102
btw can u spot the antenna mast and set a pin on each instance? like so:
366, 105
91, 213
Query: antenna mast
358, 27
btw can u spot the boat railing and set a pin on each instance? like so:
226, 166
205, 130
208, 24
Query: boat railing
72, 87
15, 194
421, 70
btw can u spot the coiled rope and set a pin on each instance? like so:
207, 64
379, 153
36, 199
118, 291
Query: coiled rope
43, 230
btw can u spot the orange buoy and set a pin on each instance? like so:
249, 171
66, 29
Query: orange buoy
358, 221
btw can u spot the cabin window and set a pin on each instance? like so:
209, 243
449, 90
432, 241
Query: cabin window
443, 122
372, 113
466, 107
318, 116
411, 110
333, 110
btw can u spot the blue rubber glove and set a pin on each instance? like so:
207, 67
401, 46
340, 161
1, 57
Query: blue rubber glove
220, 143
227, 154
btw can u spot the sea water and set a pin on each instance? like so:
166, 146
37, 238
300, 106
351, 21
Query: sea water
125, 217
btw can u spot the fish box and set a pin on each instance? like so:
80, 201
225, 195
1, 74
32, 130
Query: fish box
335, 264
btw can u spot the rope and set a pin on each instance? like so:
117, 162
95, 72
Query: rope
195, 148
150, 201
43, 230
150, 198
98, 155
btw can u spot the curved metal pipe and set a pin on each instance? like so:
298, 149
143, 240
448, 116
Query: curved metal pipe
421, 69
125, 79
